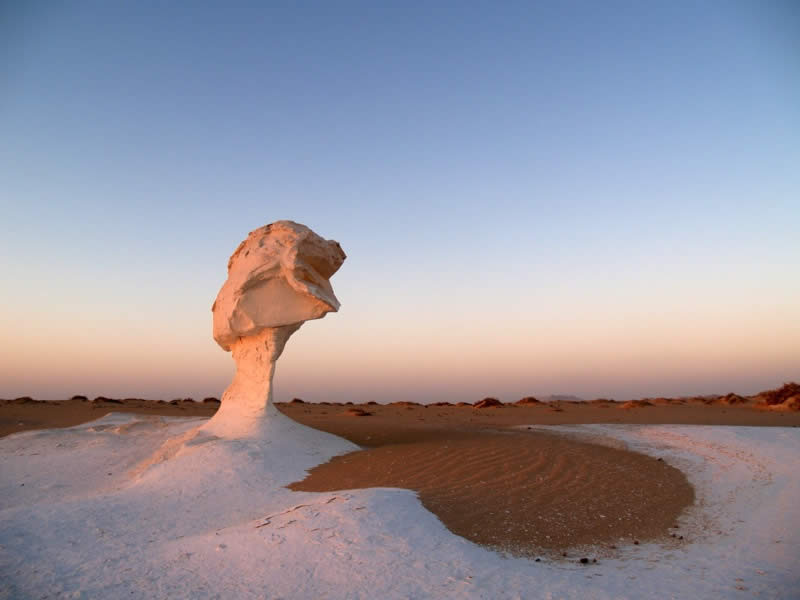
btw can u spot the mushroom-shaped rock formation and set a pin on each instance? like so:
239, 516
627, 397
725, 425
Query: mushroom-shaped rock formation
277, 279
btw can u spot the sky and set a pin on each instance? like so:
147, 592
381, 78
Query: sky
598, 199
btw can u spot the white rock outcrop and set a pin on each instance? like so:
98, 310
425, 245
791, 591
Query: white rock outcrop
278, 278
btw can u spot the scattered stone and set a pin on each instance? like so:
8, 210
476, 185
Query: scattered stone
787, 397
357, 412
107, 400
636, 404
488, 403
733, 399
527, 401
23, 400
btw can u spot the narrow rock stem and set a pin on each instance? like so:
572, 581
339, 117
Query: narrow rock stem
247, 402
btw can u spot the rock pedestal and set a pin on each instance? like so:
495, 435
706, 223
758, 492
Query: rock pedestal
278, 278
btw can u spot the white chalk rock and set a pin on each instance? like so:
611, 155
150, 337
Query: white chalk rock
277, 276
277, 279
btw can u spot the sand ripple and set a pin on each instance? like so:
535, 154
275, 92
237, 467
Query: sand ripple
522, 492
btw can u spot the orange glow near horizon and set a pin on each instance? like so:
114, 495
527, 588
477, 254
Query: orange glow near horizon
619, 355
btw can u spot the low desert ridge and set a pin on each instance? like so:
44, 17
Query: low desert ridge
779, 407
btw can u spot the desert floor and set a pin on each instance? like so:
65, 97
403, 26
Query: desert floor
546, 483
406, 421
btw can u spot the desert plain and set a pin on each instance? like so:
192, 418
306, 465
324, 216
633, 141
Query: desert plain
652, 498
501, 475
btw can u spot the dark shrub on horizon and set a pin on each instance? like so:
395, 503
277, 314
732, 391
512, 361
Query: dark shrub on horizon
80, 397
783, 393
107, 400
488, 403
24, 400
211, 400
527, 400
297, 401
732, 399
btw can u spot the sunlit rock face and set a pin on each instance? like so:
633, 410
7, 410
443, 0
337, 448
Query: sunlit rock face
277, 279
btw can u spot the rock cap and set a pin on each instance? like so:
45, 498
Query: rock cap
278, 276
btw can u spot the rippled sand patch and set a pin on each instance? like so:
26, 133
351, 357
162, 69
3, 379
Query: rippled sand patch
522, 492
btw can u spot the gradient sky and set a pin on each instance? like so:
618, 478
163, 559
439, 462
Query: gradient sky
591, 198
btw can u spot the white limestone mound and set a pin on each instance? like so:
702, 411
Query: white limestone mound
217, 522
278, 278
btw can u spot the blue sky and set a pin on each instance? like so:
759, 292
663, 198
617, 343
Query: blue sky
600, 199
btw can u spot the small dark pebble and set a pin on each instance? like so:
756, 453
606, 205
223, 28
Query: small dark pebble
564, 554
108, 473
538, 560
594, 560
22, 484
680, 537
660, 460
584, 561
613, 547
636, 542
